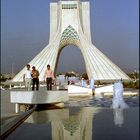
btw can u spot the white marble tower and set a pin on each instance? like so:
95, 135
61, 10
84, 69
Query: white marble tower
70, 24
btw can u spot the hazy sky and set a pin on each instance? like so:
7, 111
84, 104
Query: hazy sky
25, 32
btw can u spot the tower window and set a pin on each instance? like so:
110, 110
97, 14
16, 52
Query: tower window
69, 6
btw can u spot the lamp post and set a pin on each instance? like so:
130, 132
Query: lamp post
12, 70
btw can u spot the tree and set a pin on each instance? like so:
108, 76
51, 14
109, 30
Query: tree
85, 76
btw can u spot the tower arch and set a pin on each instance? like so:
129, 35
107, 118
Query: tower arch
69, 59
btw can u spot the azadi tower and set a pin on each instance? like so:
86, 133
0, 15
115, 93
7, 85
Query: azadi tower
70, 24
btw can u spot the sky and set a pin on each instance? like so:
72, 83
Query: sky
25, 32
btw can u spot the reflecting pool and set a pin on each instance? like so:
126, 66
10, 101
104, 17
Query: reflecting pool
80, 123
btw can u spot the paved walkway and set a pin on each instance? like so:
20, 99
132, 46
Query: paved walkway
7, 108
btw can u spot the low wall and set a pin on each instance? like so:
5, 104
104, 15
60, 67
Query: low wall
74, 90
38, 97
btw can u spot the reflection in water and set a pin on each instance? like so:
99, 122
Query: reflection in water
77, 126
71, 124
118, 117
79, 123
67, 124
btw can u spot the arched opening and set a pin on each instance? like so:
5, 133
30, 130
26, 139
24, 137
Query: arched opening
70, 59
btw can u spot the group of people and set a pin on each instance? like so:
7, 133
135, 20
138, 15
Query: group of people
32, 77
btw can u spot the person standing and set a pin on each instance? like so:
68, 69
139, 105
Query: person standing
92, 84
27, 78
49, 77
35, 78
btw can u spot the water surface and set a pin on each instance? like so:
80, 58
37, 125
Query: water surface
80, 123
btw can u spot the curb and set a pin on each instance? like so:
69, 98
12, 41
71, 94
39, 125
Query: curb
10, 127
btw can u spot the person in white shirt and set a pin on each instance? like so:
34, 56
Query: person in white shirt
27, 78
